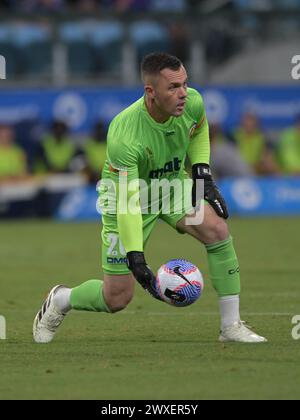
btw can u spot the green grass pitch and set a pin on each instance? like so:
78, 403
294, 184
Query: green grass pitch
150, 350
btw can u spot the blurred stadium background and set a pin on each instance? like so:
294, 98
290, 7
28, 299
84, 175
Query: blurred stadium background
71, 66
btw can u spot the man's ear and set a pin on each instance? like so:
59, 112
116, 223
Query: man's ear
150, 92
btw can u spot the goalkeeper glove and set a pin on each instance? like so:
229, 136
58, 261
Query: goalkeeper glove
137, 265
211, 192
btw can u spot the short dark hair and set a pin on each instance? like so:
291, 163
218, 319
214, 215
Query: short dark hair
154, 63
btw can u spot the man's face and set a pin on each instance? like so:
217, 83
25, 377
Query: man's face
169, 91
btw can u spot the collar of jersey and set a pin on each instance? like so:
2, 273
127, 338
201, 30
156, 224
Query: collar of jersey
160, 126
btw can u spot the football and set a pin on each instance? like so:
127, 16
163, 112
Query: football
179, 282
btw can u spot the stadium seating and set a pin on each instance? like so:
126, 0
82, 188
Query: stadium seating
74, 35
33, 42
106, 39
9, 51
149, 36
92, 46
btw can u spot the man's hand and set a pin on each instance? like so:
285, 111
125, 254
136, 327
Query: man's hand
137, 265
211, 192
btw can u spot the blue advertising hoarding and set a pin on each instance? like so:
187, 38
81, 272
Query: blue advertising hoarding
276, 107
262, 196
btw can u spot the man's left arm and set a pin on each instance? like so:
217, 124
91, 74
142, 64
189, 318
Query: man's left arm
199, 155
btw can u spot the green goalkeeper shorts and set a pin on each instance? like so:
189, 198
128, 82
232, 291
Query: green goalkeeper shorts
114, 259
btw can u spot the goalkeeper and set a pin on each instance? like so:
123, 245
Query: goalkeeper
150, 141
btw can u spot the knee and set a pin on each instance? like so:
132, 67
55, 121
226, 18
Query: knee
119, 302
215, 232
220, 231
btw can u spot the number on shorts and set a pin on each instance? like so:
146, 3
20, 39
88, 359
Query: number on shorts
114, 239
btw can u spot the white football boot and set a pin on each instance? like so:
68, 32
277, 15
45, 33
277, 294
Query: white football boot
47, 320
240, 333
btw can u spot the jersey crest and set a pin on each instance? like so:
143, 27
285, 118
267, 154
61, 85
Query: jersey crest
192, 129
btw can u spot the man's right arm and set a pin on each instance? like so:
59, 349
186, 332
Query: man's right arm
129, 214
124, 173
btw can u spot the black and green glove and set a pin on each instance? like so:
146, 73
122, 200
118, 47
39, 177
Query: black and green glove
212, 194
137, 265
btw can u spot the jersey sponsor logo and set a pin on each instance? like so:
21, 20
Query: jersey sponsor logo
171, 166
116, 260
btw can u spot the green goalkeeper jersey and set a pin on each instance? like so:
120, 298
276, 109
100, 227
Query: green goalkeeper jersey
140, 148
150, 150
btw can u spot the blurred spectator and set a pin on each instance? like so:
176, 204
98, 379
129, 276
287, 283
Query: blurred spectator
289, 149
252, 145
41, 5
85, 6
220, 43
225, 158
12, 158
95, 153
56, 151
122, 6
143, 5
91, 5
259, 5
180, 41
168, 5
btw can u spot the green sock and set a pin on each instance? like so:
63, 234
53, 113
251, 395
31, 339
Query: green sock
89, 297
224, 268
